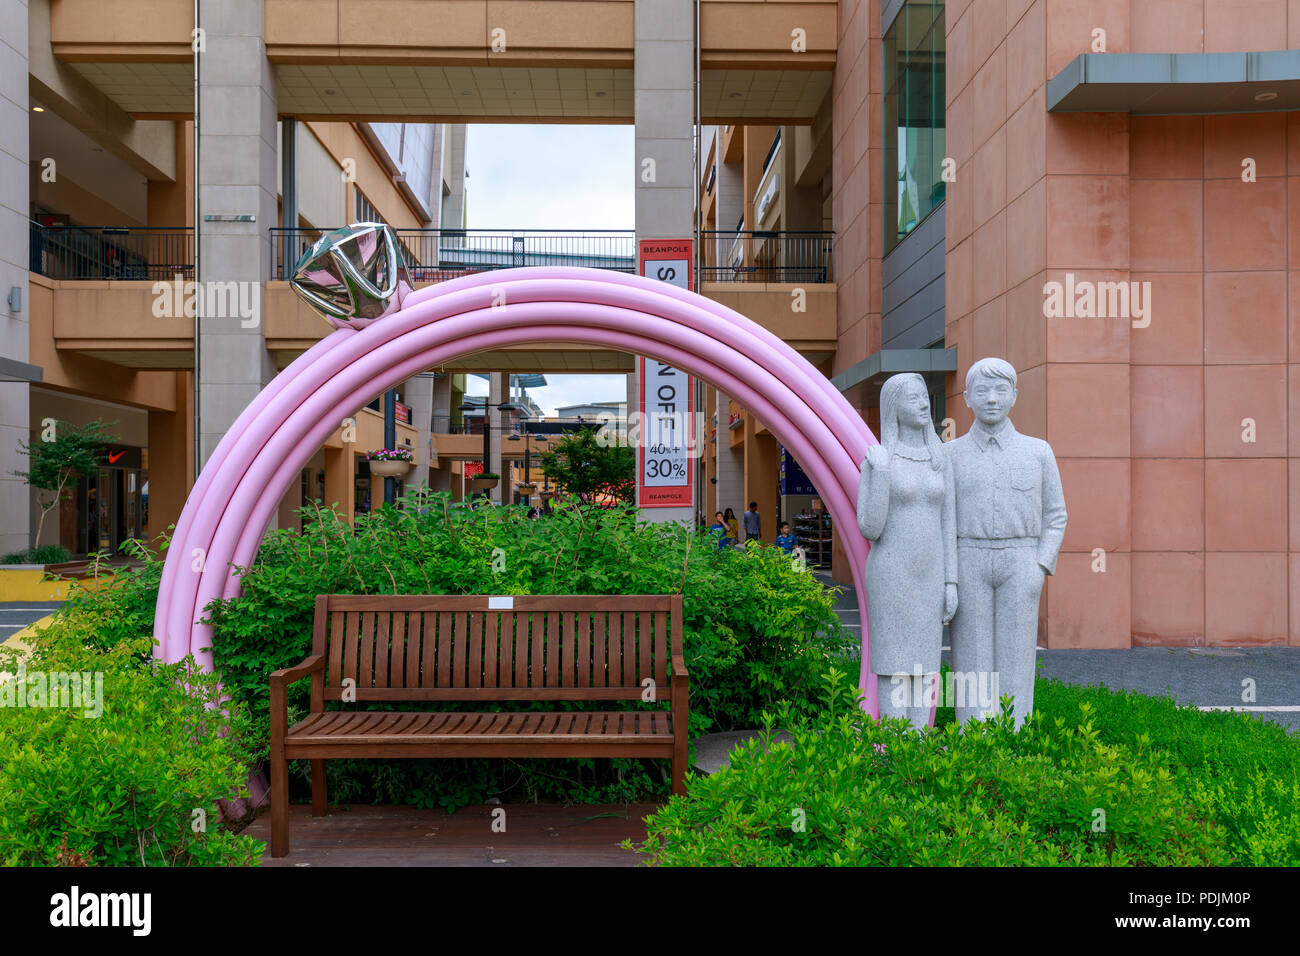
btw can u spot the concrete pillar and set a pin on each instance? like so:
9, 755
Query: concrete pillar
237, 144
729, 190
418, 393
15, 208
664, 105
340, 486
497, 385
171, 459
760, 478
730, 488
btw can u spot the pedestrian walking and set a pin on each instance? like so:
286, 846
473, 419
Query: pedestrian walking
753, 522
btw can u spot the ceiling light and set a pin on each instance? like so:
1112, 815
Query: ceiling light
1265, 97
601, 93
330, 92
733, 96
38, 109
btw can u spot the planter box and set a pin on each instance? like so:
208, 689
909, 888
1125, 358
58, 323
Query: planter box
483, 484
528, 488
389, 469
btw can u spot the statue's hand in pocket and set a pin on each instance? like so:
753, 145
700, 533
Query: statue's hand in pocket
949, 602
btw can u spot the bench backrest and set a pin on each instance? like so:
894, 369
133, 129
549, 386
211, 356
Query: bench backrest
551, 647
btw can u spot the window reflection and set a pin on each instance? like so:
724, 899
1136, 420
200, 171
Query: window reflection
913, 117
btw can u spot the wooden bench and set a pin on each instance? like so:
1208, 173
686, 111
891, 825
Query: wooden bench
479, 650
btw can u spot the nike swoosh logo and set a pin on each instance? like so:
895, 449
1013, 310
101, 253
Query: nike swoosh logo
112, 459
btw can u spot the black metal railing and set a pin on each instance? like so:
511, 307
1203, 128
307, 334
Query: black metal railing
435, 255
112, 252
765, 256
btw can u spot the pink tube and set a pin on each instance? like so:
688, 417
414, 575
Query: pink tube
208, 475
321, 402
231, 505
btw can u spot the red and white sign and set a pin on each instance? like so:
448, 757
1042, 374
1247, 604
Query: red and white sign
665, 478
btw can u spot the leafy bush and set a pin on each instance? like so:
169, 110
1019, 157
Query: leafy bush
1237, 769
122, 787
851, 792
756, 629
45, 554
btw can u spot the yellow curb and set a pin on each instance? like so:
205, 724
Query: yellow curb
18, 641
27, 584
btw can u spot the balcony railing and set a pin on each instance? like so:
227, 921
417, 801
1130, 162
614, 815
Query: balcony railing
765, 256
112, 252
435, 255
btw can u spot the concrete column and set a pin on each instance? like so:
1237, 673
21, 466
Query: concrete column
340, 486
418, 392
15, 208
237, 144
453, 213
171, 459
729, 190
730, 488
288, 194
760, 478
497, 384
664, 105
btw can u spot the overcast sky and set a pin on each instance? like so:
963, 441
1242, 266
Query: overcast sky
552, 177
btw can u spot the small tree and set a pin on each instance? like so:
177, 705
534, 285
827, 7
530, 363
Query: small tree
589, 469
65, 453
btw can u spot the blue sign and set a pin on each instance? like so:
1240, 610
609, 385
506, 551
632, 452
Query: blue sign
793, 479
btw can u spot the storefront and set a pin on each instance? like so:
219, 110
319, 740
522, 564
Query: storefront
111, 506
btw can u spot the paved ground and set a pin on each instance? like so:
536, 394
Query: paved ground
16, 615
1205, 677
535, 835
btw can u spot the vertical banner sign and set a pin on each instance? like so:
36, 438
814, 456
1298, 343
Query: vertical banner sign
665, 478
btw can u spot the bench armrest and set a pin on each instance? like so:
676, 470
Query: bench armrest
679, 667
290, 675
280, 680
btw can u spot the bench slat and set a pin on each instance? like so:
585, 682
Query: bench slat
568, 654
475, 638
445, 620
629, 647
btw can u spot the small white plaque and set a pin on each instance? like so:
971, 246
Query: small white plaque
506, 603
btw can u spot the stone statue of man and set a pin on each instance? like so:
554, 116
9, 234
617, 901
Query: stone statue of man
1010, 523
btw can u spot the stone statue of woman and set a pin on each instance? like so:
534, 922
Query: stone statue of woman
906, 509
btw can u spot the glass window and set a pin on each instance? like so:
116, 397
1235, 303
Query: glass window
913, 59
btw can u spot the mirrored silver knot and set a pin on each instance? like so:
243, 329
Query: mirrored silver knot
354, 275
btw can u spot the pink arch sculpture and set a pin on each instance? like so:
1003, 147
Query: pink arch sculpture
235, 497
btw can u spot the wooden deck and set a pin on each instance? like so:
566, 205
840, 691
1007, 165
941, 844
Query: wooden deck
536, 835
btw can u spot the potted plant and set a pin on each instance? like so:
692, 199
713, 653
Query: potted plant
547, 495
528, 488
484, 481
390, 462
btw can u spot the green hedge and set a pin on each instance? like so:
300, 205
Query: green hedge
128, 778
851, 792
756, 629
1240, 770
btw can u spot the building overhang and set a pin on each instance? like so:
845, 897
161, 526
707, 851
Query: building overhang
12, 370
1177, 83
878, 366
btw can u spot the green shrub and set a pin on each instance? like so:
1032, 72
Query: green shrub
45, 554
756, 629
130, 785
851, 792
1240, 770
